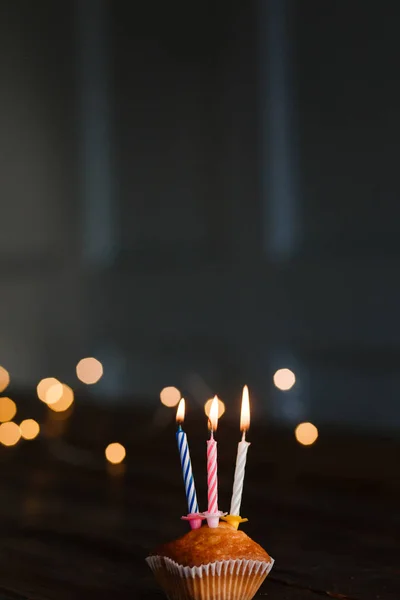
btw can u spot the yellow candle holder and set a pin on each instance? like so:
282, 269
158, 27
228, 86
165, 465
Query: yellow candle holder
234, 520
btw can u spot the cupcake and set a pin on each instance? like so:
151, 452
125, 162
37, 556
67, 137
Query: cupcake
211, 564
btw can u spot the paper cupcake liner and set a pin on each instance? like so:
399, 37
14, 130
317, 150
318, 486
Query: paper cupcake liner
221, 580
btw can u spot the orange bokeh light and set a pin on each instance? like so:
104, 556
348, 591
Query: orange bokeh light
10, 433
29, 429
65, 401
170, 396
44, 386
115, 453
4, 378
89, 370
306, 434
8, 409
54, 393
284, 379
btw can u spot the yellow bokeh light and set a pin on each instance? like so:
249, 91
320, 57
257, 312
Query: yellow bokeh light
29, 429
10, 433
8, 409
170, 396
89, 370
306, 433
4, 378
221, 407
65, 401
284, 379
115, 453
44, 387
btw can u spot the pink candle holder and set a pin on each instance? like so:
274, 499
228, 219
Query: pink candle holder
213, 518
194, 519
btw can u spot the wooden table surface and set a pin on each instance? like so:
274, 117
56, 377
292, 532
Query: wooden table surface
73, 528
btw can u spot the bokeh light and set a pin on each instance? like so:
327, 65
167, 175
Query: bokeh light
115, 453
65, 401
54, 393
4, 378
29, 429
284, 379
89, 370
44, 387
170, 396
306, 433
8, 409
221, 407
10, 433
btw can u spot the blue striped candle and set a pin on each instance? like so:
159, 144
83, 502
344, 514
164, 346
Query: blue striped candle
184, 454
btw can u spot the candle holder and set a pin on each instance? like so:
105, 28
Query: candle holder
213, 518
234, 520
194, 519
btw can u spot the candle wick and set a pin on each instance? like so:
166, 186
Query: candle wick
244, 435
179, 427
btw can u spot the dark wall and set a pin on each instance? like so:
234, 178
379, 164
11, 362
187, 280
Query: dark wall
348, 92
134, 218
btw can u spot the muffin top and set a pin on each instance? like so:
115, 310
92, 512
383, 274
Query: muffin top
205, 545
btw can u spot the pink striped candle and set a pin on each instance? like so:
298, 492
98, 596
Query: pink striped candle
212, 475
213, 513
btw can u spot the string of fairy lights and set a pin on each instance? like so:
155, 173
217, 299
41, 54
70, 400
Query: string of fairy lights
59, 397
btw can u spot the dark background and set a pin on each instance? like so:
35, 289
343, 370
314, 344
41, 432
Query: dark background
205, 190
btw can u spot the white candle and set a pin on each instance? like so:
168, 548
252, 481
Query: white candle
241, 455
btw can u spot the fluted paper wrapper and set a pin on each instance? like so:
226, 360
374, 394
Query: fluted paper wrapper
222, 580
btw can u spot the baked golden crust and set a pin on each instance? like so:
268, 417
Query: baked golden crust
205, 545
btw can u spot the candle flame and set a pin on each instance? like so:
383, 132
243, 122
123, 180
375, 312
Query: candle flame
214, 414
180, 413
245, 412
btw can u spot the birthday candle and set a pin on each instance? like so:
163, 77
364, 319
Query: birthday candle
184, 454
212, 475
241, 455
